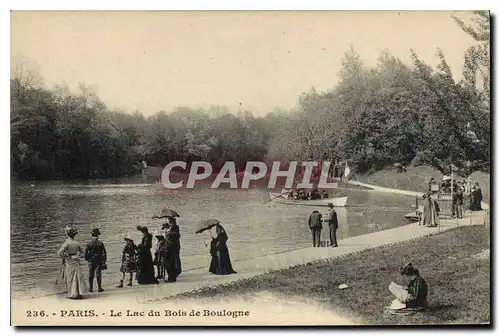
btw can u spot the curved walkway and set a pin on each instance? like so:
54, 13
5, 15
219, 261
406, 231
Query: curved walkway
197, 279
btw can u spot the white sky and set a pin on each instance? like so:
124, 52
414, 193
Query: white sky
155, 61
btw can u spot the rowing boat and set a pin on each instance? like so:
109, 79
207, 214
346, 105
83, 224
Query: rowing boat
336, 201
414, 216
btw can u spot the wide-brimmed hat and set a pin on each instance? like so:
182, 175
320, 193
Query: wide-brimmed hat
70, 229
96, 232
409, 269
158, 234
127, 236
142, 228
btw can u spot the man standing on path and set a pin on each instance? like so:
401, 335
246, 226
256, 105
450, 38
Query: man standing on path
95, 255
316, 227
331, 218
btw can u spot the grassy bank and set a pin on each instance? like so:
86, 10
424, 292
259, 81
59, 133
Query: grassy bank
417, 178
459, 284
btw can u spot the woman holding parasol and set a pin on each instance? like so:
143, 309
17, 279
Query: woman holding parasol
172, 237
220, 263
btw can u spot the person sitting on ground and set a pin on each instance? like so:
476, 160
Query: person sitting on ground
413, 297
324, 194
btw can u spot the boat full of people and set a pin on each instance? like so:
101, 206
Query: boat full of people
312, 199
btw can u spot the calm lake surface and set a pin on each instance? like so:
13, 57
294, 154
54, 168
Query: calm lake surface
40, 213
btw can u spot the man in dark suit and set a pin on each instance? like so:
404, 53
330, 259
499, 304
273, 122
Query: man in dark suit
331, 219
316, 227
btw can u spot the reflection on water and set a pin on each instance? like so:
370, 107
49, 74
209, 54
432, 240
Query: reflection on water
40, 213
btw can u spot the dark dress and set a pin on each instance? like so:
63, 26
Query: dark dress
145, 270
177, 246
220, 263
172, 255
417, 288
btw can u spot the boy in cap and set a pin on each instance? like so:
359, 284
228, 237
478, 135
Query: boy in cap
95, 255
412, 297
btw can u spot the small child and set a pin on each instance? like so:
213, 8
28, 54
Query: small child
160, 255
129, 261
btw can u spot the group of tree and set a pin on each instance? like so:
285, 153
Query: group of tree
375, 117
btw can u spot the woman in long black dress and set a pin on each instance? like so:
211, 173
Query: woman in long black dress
220, 263
174, 227
145, 271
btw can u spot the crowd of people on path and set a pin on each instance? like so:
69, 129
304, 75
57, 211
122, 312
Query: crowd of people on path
136, 259
316, 221
430, 214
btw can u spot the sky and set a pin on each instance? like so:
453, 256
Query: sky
257, 61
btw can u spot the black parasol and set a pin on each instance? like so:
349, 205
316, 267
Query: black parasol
206, 224
167, 212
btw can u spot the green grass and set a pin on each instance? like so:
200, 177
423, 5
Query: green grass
459, 285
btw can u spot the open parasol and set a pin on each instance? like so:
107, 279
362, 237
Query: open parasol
206, 224
167, 212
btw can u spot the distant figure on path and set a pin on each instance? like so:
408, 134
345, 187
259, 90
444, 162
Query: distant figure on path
430, 215
95, 255
460, 203
476, 198
330, 217
221, 262
145, 272
71, 252
315, 225
129, 261
433, 186
414, 296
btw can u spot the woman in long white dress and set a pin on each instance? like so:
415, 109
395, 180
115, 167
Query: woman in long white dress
71, 252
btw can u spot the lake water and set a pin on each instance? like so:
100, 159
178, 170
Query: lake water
40, 213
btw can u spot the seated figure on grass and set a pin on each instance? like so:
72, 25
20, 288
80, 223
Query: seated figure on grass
410, 298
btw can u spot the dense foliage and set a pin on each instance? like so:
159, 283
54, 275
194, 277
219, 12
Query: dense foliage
374, 117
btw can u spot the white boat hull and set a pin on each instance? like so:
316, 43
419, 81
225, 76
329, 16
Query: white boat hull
336, 201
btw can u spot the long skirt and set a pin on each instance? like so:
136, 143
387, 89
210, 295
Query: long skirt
221, 262
145, 271
75, 283
178, 265
430, 216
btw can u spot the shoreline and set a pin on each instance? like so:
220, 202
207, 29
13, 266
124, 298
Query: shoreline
198, 279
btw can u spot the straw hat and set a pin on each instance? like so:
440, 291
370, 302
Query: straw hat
70, 229
127, 236
158, 233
